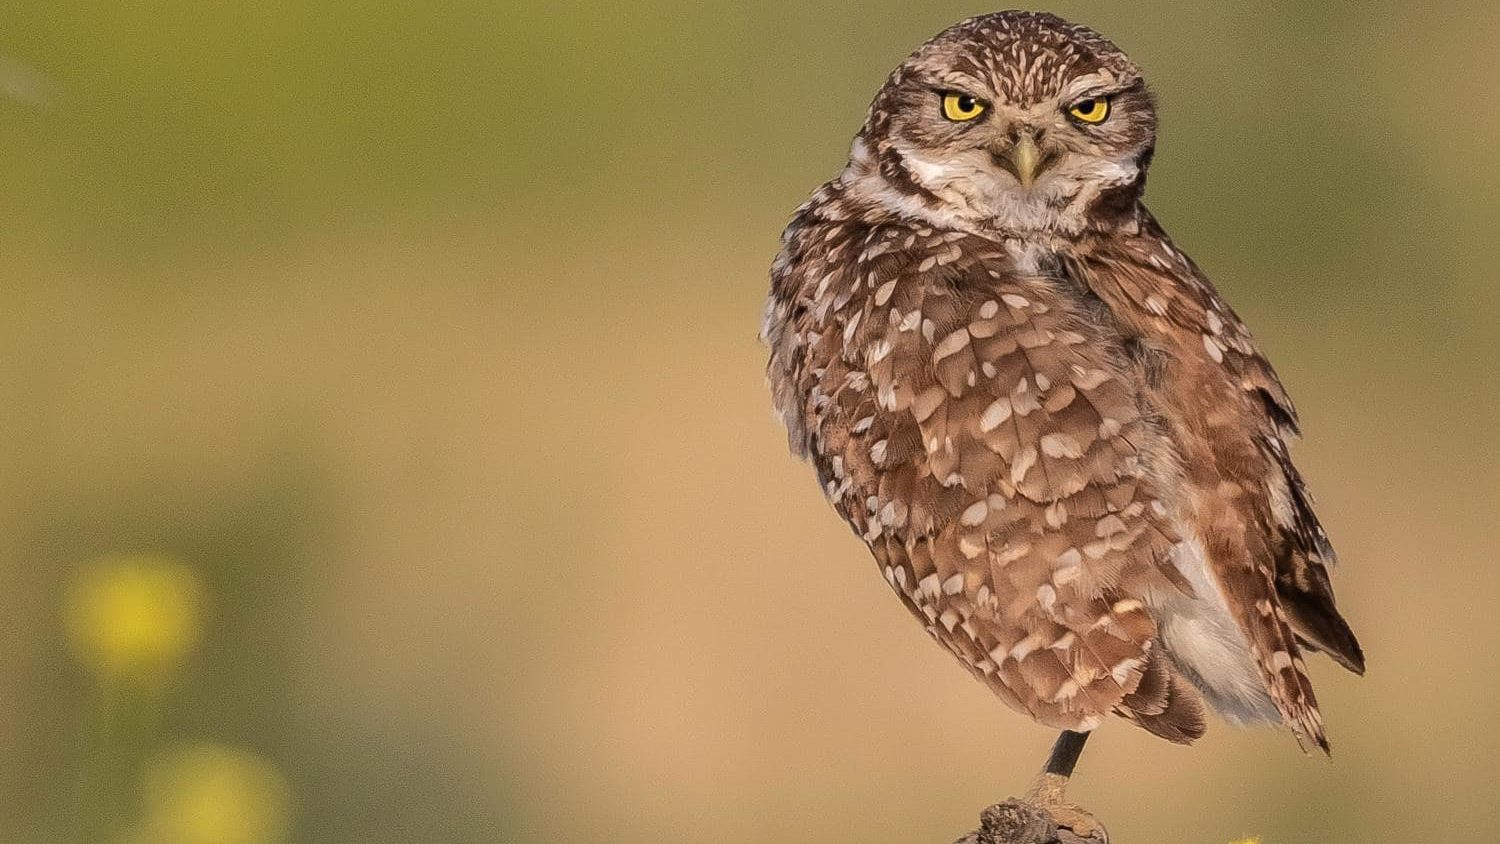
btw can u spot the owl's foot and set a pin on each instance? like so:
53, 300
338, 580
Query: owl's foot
1048, 792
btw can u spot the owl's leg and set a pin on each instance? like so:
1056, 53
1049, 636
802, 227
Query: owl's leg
1048, 790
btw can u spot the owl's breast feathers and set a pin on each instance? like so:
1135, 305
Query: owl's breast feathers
1023, 451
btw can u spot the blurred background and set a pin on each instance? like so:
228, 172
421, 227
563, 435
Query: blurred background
386, 457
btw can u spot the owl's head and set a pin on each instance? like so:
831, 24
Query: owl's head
1014, 121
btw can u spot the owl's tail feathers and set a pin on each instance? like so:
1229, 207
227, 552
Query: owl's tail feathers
1165, 704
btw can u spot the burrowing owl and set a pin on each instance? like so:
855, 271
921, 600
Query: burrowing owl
1063, 448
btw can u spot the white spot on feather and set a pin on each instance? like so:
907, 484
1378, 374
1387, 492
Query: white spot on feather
951, 344
974, 514
1022, 648
1212, 347
995, 414
1061, 445
1023, 463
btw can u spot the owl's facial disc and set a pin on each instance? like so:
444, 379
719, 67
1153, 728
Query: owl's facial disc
1030, 130
1022, 165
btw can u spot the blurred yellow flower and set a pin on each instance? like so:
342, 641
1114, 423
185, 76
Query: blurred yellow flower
1252, 840
212, 794
133, 614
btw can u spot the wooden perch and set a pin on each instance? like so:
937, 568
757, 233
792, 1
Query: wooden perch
1016, 822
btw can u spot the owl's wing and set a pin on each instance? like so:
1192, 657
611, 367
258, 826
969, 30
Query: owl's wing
1248, 505
988, 443
1299, 547
1302, 560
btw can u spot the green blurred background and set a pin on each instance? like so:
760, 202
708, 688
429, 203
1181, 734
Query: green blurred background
386, 456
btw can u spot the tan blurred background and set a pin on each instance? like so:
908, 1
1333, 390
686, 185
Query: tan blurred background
385, 454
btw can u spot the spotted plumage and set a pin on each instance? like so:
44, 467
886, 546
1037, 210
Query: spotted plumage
1063, 448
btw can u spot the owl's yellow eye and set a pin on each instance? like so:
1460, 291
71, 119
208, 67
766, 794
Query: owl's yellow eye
1091, 110
961, 107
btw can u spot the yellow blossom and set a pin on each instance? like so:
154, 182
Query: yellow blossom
212, 794
133, 614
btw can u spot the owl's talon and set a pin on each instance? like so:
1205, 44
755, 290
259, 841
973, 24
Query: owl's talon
1083, 824
1047, 793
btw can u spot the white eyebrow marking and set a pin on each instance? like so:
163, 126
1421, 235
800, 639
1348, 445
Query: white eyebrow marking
1093, 83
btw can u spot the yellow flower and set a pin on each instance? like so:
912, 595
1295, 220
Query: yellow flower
1251, 840
133, 614
211, 794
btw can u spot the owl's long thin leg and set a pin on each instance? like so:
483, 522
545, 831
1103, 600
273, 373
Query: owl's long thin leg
1065, 753
1049, 789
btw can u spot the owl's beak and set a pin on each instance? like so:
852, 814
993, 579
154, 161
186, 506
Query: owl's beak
1023, 159
1027, 160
